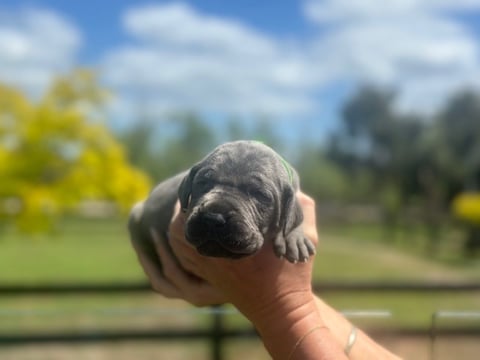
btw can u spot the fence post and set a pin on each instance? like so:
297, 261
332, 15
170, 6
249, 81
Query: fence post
217, 333
445, 314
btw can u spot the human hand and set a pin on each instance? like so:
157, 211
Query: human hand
174, 281
254, 284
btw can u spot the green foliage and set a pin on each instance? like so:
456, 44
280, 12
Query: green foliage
172, 147
169, 146
53, 155
409, 158
321, 178
195, 139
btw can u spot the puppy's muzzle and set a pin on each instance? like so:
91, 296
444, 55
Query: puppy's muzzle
214, 221
222, 232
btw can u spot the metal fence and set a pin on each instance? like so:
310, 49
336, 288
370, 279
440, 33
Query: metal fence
217, 333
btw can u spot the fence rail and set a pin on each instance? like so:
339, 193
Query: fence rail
134, 287
217, 333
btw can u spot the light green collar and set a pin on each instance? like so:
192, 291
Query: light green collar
287, 167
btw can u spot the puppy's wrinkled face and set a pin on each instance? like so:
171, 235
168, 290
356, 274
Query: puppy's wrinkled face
229, 216
233, 202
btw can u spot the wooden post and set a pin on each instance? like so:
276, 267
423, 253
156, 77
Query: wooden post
217, 333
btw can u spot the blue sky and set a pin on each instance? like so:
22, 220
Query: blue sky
293, 61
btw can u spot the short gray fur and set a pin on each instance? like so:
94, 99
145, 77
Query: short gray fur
239, 196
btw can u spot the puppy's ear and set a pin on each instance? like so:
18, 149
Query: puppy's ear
185, 189
291, 212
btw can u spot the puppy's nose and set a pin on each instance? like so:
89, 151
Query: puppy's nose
214, 220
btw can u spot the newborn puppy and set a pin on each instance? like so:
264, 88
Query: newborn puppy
239, 196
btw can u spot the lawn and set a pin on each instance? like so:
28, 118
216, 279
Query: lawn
85, 250
99, 251
80, 250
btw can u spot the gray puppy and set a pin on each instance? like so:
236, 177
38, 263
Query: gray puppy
239, 196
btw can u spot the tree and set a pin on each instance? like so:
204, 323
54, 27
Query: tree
193, 140
56, 153
236, 129
138, 143
396, 150
458, 128
264, 131
320, 177
369, 140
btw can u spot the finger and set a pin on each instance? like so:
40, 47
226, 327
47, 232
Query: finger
155, 276
207, 295
191, 288
178, 220
186, 254
308, 207
171, 268
309, 217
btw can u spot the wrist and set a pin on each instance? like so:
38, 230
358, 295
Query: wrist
286, 309
283, 323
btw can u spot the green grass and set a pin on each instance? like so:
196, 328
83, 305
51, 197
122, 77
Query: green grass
347, 254
443, 253
351, 258
99, 251
81, 250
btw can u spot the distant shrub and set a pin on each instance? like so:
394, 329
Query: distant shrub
466, 207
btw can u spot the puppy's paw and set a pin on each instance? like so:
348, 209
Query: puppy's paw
294, 247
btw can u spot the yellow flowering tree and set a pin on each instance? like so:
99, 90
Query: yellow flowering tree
56, 153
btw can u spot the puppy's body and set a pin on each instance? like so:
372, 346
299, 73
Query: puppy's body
237, 197
154, 213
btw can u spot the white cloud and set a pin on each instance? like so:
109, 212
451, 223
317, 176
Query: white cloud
178, 25
181, 58
412, 45
328, 11
34, 46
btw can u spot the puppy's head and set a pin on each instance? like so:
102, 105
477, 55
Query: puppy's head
240, 194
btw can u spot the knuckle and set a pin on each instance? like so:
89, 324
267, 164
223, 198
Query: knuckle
198, 302
158, 288
169, 269
309, 201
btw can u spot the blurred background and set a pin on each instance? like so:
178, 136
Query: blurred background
376, 104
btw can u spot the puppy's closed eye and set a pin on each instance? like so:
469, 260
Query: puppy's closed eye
261, 195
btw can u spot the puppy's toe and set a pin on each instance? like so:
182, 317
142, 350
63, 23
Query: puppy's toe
310, 247
303, 253
280, 246
293, 252
294, 247
298, 248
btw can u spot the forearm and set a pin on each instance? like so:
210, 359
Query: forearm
363, 348
297, 331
